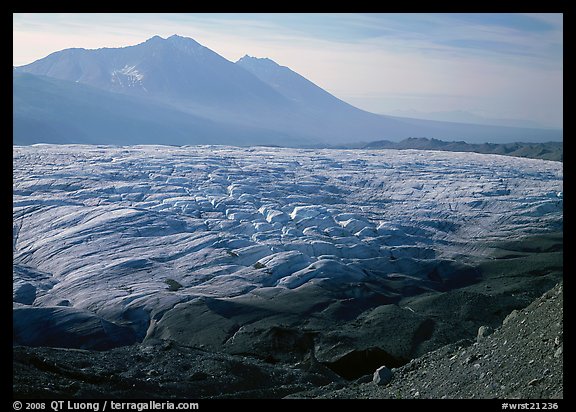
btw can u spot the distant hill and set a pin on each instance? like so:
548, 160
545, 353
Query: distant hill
546, 151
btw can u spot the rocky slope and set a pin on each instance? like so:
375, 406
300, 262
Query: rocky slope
157, 370
523, 359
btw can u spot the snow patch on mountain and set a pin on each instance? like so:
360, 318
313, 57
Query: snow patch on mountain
128, 76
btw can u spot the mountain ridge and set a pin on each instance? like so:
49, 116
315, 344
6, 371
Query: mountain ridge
252, 93
157, 67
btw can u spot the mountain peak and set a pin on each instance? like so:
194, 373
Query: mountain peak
176, 39
187, 45
260, 61
154, 39
179, 42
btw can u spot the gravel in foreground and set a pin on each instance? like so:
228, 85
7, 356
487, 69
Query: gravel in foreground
523, 359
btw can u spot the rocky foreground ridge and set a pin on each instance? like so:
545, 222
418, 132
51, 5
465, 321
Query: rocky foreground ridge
521, 359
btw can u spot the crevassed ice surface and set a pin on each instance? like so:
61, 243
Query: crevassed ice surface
103, 228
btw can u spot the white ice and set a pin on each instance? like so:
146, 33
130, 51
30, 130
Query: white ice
102, 229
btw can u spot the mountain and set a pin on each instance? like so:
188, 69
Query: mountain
176, 69
190, 94
48, 110
291, 85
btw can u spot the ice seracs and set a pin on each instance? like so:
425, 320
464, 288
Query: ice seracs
101, 230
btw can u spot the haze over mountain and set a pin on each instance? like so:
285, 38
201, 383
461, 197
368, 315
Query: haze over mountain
176, 91
462, 116
49, 110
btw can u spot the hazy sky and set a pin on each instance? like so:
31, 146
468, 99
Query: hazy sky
492, 65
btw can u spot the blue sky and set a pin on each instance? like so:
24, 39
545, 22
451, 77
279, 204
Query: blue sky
488, 65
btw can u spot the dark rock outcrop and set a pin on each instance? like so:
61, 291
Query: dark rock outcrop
522, 359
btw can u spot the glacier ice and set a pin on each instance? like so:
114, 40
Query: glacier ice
98, 230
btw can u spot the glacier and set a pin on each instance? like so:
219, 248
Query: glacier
102, 234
